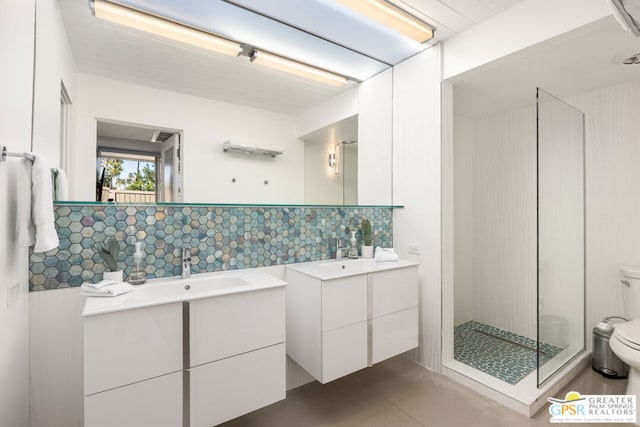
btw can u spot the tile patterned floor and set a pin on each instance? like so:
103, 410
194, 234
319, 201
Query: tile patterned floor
493, 351
399, 392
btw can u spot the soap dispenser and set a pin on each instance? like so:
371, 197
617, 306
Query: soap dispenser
138, 276
353, 248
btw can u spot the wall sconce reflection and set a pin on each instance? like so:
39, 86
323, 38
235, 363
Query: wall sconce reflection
334, 160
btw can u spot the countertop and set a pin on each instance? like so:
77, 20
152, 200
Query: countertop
172, 289
332, 269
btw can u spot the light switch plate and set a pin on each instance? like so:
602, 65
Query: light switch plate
13, 292
413, 248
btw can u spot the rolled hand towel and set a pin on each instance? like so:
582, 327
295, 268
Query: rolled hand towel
109, 290
385, 254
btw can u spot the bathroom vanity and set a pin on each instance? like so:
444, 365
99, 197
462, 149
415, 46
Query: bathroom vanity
343, 316
185, 352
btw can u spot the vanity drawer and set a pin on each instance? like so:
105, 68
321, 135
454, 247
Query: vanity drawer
127, 346
344, 350
229, 388
393, 334
344, 302
392, 291
156, 402
228, 325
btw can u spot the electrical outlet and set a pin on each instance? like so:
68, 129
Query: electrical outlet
413, 248
13, 292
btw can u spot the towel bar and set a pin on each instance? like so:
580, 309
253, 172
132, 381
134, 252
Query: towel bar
6, 154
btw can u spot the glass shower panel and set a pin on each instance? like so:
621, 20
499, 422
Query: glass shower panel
561, 238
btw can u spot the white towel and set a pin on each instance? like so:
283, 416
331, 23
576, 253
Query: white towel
60, 185
385, 254
109, 290
42, 206
26, 230
100, 284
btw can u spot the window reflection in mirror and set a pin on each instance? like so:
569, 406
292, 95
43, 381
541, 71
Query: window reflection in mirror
137, 164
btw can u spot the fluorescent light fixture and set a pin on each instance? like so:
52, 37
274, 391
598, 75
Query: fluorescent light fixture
287, 65
154, 137
161, 27
393, 17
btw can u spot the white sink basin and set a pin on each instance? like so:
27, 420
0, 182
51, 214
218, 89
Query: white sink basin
348, 265
332, 269
193, 286
165, 291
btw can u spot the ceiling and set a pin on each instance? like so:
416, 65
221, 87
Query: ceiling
123, 131
326, 34
451, 17
569, 64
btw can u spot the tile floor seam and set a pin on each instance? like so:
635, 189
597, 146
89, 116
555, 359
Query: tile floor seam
385, 399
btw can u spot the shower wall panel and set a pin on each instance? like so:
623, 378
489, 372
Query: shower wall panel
503, 207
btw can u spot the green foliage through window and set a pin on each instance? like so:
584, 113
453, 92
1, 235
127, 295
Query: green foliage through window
141, 175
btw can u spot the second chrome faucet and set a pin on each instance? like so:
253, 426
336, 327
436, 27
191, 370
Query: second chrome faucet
186, 263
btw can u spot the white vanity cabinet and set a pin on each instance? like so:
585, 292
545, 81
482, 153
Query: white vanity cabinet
164, 356
393, 313
344, 317
133, 367
236, 355
327, 324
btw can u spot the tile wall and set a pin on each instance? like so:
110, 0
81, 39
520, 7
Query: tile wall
220, 238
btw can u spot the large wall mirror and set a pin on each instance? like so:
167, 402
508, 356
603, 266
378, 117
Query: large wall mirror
136, 117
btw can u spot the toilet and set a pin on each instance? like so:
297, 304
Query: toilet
625, 340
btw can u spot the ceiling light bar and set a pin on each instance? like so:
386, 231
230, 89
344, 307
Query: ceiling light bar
161, 27
154, 137
293, 67
393, 17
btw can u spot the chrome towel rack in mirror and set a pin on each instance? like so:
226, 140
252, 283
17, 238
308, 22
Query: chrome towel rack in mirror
6, 154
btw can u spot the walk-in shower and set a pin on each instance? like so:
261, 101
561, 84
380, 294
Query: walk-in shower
516, 269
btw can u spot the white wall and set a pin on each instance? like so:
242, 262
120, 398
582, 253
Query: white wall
561, 225
206, 124
56, 358
504, 198
351, 180
463, 231
416, 185
321, 185
371, 101
375, 175
16, 49
515, 29
54, 64
612, 197
338, 108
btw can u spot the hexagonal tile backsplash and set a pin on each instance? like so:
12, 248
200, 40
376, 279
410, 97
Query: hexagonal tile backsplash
220, 238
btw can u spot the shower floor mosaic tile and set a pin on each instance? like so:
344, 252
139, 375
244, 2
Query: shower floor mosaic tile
507, 356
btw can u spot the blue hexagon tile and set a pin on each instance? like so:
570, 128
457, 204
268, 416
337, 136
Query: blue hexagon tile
220, 238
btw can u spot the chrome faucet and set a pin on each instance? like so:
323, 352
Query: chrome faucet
186, 263
339, 250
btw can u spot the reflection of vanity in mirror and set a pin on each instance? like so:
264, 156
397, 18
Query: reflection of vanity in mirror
163, 109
